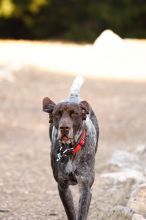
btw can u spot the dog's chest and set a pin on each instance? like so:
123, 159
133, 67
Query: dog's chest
70, 167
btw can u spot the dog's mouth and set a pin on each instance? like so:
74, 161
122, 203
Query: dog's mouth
65, 139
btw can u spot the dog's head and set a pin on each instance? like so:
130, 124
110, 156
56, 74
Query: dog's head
67, 117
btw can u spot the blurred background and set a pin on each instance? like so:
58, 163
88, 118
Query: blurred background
44, 44
78, 20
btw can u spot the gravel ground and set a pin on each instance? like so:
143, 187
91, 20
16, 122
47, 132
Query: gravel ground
27, 188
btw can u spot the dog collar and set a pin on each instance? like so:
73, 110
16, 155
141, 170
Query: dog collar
80, 144
64, 154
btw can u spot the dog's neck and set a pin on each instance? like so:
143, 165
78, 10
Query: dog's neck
78, 146
66, 151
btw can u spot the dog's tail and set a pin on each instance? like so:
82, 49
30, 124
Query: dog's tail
75, 88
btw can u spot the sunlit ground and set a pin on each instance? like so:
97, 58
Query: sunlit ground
109, 57
27, 187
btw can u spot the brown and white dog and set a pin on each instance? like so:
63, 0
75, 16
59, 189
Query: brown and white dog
74, 135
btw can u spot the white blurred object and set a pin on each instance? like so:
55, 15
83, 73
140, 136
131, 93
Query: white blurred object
127, 165
124, 175
125, 159
108, 39
138, 217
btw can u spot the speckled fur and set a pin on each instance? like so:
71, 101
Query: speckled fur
80, 168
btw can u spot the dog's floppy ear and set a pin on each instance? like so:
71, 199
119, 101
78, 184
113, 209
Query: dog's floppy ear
48, 106
85, 109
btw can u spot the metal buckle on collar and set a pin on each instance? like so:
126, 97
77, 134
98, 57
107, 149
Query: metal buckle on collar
64, 155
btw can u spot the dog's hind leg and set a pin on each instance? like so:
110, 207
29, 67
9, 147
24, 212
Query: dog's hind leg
67, 200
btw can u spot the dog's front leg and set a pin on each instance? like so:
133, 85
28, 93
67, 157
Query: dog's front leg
84, 201
67, 200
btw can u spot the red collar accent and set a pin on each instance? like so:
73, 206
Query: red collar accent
80, 144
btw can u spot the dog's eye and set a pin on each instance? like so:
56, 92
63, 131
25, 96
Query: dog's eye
73, 113
58, 114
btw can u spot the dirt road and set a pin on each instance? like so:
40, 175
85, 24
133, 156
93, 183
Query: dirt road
27, 188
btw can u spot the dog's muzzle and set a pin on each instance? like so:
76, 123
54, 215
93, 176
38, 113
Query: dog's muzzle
65, 134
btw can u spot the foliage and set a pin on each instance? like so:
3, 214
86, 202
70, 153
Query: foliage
81, 20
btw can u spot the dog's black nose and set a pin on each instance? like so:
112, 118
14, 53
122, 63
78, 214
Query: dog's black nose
64, 129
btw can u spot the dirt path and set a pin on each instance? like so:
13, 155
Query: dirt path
27, 188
